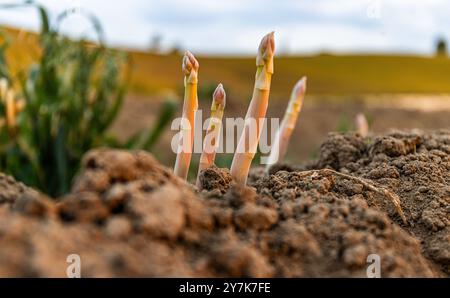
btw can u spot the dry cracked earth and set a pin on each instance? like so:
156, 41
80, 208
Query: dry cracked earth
127, 215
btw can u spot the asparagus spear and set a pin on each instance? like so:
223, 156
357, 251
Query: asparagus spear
190, 69
211, 141
283, 135
256, 112
361, 125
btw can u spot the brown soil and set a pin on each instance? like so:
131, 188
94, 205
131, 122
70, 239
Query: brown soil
415, 166
127, 215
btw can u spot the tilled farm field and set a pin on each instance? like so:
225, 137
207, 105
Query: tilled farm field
127, 215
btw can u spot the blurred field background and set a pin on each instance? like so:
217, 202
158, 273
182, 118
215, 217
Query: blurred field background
328, 74
393, 91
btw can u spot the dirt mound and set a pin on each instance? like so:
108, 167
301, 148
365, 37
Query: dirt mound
416, 166
129, 216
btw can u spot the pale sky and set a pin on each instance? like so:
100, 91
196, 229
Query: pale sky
236, 26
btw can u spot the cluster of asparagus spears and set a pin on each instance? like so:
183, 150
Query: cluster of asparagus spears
247, 145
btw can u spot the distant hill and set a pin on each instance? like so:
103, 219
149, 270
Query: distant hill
327, 74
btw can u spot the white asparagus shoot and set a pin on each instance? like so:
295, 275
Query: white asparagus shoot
190, 69
248, 142
211, 141
361, 125
283, 135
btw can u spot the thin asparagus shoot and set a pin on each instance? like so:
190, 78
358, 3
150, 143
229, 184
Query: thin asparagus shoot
12, 107
211, 140
248, 142
190, 69
283, 135
3, 88
10, 111
362, 126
